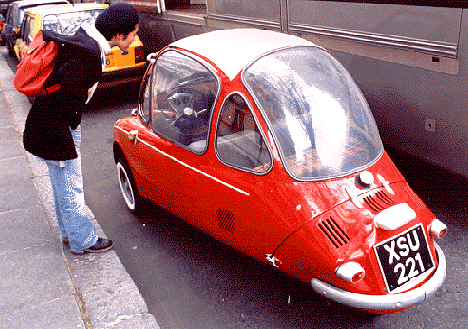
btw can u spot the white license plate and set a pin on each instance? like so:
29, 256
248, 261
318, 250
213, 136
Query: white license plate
404, 257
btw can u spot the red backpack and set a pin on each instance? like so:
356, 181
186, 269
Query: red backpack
35, 67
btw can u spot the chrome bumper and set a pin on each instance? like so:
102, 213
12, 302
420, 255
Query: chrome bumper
386, 302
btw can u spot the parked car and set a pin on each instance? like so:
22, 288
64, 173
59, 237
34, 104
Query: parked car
2, 22
14, 18
4, 4
4, 7
264, 141
121, 67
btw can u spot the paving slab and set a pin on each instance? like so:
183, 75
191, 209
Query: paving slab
11, 144
43, 285
16, 187
57, 313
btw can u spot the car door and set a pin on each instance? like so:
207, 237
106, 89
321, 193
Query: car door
181, 100
216, 184
26, 36
9, 27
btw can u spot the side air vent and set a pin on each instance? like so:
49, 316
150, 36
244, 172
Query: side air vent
379, 201
334, 232
225, 219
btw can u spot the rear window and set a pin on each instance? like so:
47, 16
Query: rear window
68, 23
321, 122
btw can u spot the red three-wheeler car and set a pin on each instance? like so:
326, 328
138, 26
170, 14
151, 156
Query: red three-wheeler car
263, 140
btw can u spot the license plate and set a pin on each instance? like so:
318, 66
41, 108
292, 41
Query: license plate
404, 257
109, 61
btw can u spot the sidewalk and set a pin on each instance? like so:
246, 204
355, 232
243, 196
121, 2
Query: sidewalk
42, 284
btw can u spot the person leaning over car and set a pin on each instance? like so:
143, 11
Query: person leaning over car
52, 130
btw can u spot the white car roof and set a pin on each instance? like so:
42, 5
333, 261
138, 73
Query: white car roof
66, 8
22, 3
232, 50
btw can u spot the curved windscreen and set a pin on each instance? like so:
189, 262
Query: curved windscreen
321, 122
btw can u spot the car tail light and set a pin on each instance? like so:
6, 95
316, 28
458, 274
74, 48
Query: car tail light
139, 54
438, 229
350, 271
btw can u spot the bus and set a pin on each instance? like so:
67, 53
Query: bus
409, 57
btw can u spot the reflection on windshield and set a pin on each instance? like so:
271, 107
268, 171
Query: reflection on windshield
320, 120
68, 23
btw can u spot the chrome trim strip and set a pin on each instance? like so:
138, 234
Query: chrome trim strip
178, 17
435, 48
284, 15
186, 165
145, 4
248, 21
386, 302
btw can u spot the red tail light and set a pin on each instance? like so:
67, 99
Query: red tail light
350, 271
438, 229
139, 54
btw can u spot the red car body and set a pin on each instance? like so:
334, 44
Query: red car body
232, 136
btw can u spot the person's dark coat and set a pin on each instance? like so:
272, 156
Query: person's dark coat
78, 67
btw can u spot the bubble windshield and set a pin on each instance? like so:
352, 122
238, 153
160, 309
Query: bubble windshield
320, 120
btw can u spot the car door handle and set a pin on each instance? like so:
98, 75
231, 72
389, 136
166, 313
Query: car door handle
133, 136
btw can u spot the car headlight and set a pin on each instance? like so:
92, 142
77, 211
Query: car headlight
350, 271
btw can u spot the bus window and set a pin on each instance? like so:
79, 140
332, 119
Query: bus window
192, 6
426, 3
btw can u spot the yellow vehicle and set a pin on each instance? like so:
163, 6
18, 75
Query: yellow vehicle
121, 67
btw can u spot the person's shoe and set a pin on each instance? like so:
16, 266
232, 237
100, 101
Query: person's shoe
101, 245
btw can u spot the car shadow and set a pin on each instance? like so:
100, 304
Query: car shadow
256, 288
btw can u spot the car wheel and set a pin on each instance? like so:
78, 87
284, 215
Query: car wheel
11, 50
128, 186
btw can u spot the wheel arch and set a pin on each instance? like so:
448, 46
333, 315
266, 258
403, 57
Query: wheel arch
118, 153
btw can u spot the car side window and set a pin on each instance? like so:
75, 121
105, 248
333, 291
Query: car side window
30, 28
14, 13
184, 94
10, 15
23, 28
26, 28
239, 142
144, 109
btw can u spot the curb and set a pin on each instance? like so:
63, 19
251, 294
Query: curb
105, 293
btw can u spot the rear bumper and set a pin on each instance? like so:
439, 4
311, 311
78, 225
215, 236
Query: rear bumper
387, 302
122, 76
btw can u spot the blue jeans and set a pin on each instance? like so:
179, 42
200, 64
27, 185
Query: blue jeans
67, 186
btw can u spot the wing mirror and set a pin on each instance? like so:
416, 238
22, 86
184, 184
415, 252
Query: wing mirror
151, 58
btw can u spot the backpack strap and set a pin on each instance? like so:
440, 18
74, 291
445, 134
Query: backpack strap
49, 90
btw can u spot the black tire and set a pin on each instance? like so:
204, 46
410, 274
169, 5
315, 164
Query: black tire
11, 50
128, 186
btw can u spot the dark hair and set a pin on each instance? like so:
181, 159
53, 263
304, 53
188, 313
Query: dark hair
119, 18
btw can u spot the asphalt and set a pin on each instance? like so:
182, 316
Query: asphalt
42, 284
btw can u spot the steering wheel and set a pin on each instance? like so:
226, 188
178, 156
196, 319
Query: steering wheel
174, 105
